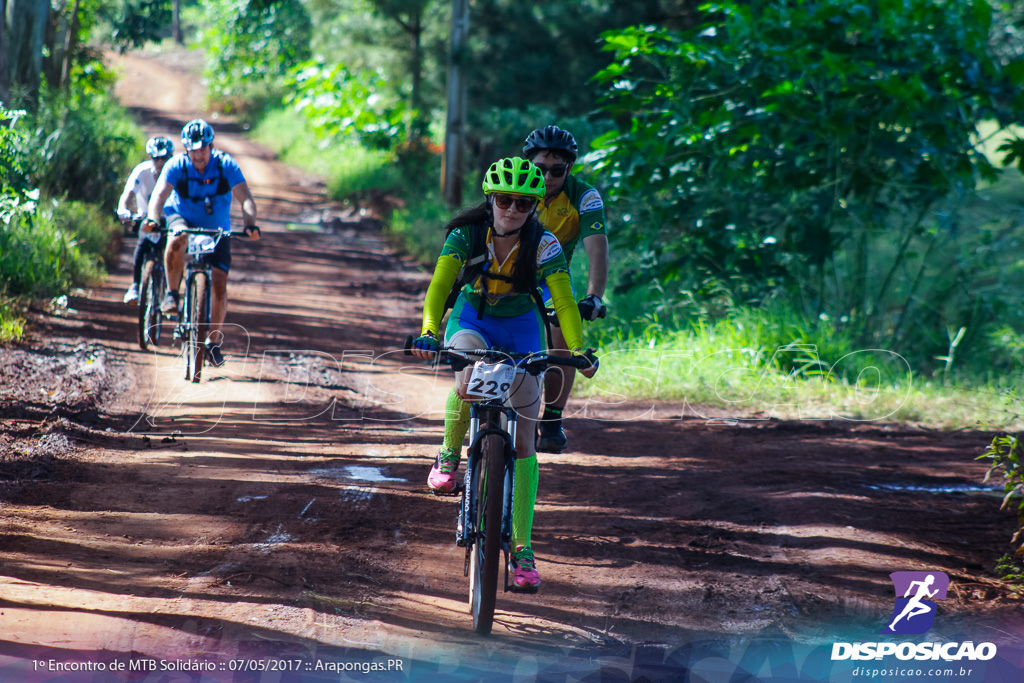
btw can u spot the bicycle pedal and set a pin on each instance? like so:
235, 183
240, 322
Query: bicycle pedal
445, 494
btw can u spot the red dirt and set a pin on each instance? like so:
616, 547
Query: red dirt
275, 515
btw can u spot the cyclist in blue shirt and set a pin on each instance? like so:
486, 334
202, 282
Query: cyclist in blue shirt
195, 190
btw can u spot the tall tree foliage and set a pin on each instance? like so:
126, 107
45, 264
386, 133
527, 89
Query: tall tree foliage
772, 145
251, 47
545, 53
376, 71
136, 22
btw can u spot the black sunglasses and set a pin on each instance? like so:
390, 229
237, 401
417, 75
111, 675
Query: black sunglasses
523, 204
556, 170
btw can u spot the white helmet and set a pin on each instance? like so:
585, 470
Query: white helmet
160, 147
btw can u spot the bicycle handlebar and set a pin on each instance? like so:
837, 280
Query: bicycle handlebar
534, 365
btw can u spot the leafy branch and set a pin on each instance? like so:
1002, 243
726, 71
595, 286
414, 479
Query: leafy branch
1005, 455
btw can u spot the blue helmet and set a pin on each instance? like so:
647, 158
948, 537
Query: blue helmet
196, 134
160, 147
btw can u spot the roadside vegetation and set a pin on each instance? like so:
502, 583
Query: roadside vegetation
65, 148
815, 208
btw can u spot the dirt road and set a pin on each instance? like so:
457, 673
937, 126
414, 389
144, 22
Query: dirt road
271, 523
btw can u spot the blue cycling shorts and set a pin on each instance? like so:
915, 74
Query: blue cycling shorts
519, 334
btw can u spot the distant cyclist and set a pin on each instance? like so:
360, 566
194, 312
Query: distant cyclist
134, 201
498, 311
195, 190
573, 211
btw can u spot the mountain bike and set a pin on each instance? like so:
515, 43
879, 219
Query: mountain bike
194, 316
484, 524
152, 285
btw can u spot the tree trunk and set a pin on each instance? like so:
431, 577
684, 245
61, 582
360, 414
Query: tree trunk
179, 37
5, 72
454, 137
26, 23
420, 123
70, 45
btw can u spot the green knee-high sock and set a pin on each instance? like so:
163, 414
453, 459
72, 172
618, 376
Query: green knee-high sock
524, 495
456, 422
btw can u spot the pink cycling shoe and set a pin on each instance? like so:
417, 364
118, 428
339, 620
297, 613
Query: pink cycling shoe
442, 475
525, 578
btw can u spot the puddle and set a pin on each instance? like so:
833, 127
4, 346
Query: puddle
249, 499
949, 488
355, 472
362, 473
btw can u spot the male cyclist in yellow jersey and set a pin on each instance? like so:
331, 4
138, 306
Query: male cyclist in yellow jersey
573, 212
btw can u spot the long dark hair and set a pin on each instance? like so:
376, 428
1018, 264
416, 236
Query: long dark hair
481, 217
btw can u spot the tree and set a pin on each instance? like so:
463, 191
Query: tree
773, 145
5, 72
251, 47
410, 16
136, 22
26, 23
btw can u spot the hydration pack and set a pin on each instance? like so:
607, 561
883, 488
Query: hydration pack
477, 266
222, 182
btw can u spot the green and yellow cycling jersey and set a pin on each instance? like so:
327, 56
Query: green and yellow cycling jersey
574, 214
502, 301
498, 296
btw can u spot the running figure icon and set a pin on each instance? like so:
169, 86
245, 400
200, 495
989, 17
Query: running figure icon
915, 609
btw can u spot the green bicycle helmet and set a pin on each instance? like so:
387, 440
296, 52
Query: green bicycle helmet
514, 175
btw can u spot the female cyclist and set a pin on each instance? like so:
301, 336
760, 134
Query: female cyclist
498, 311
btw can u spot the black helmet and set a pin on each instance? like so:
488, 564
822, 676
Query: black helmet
551, 137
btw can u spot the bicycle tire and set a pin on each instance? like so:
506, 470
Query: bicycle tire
488, 490
198, 321
159, 289
149, 306
188, 333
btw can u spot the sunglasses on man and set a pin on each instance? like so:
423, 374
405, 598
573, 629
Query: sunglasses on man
523, 204
554, 170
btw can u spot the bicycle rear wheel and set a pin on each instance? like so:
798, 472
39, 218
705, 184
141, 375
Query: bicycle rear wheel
149, 305
488, 490
198, 321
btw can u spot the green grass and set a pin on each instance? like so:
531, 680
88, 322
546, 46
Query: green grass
352, 173
12, 323
745, 367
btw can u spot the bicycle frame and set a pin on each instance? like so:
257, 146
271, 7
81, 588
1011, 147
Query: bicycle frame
194, 318
489, 479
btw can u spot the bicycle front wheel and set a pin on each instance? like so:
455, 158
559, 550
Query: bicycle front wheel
488, 491
149, 305
198, 321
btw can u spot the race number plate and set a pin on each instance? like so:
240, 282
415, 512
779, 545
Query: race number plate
490, 380
201, 244
153, 237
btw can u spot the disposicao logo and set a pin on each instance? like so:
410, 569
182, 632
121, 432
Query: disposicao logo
914, 613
